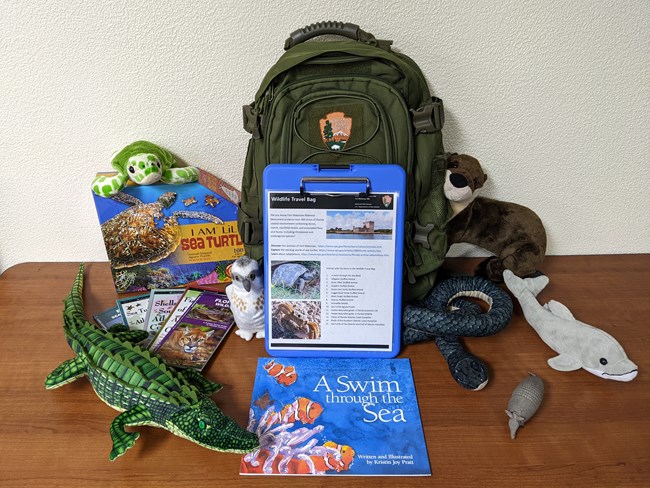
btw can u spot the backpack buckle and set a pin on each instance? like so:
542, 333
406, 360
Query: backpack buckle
422, 234
252, 122
430, 117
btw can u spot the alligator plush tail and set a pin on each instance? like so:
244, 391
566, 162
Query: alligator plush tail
432, 319
77, 330
73, 305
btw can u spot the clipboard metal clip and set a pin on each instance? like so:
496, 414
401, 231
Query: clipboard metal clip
337, 180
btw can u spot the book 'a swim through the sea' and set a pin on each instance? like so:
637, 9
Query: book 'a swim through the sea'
336, 417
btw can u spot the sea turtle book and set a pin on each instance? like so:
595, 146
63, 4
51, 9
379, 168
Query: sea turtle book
133, 310
336, 417
165, 236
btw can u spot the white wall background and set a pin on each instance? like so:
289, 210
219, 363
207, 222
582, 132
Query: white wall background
552, 97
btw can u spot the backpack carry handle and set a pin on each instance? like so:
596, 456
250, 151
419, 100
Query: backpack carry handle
344, 29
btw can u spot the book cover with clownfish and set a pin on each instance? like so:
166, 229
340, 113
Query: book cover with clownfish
355, 417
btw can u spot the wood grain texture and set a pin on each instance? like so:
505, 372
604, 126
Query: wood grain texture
589, 432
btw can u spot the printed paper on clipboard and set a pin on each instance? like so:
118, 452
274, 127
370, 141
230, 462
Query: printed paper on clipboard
333, 261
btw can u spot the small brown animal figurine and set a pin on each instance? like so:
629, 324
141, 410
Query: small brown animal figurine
513, 233
524, 402
211, 200
189, 201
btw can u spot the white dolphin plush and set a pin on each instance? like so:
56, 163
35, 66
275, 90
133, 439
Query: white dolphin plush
578, 345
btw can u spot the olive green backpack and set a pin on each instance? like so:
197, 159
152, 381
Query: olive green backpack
351, 101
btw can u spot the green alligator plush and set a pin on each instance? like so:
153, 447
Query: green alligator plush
138, 384
143, 163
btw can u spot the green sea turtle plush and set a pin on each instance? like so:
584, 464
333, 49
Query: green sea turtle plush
143, 163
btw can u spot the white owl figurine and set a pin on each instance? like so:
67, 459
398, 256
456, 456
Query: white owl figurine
246, 295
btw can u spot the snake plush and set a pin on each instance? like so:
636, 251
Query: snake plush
444, 316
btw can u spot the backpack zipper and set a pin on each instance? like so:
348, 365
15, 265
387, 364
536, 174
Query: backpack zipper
338, 60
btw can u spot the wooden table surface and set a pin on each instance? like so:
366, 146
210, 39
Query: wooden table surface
588, 432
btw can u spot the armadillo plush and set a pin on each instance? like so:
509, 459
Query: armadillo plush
144, 163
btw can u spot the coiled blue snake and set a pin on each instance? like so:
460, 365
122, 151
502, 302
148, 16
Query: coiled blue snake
444, 316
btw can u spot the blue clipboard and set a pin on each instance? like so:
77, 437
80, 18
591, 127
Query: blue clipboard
333, 243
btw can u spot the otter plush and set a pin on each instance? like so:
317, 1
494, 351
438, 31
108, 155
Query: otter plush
513, 233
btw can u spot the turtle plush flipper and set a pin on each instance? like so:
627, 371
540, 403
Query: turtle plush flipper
107, 186
123, 440
178, 176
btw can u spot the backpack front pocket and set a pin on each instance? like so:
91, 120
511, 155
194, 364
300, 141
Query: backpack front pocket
340, 126
349, 121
